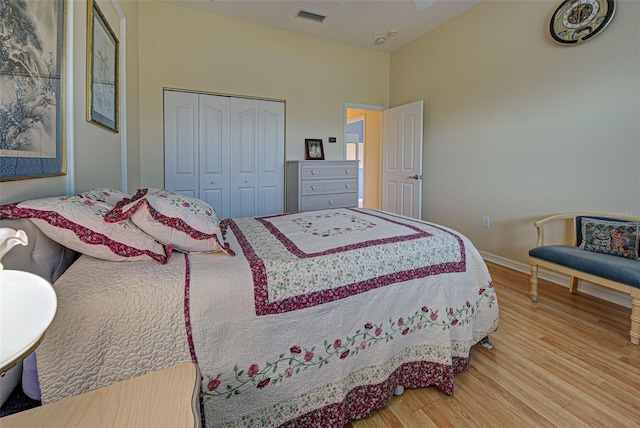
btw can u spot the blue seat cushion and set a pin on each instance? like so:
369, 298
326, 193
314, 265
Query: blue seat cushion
619, 269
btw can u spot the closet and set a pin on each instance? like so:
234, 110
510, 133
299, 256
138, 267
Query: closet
226, 151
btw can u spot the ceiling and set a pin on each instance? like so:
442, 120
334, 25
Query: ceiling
354, 22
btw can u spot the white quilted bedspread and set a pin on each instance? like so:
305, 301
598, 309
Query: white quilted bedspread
115, 321
268, 355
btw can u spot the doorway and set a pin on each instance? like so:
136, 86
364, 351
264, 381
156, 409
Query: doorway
354, 146
390, 154
363, 142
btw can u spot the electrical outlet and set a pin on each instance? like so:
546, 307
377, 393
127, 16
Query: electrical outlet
486, 221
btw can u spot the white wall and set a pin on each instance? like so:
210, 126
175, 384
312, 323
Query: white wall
192, 50
517, 126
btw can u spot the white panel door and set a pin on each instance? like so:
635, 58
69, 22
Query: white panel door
214, 164
181, 169
402, 159
271, 158
227, 151
244, 157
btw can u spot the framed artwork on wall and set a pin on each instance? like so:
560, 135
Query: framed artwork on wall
32, 90
313, 149
102, 70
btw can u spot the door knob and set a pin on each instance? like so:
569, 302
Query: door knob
415, 177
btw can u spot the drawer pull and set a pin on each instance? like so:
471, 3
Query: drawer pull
346, 185
346, 171
313, 172
313, 187
330, 202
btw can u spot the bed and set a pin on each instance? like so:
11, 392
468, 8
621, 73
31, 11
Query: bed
298, 319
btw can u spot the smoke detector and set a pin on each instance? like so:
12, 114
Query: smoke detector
378, 38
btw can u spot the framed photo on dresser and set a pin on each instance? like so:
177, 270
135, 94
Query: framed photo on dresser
313, 149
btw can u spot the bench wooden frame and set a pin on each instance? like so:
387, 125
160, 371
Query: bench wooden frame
575, 275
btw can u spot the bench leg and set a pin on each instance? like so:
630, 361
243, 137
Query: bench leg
635, 318
573, 285
534, 282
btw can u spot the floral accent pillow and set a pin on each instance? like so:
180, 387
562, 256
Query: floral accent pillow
617, 238
187, 224
77, 222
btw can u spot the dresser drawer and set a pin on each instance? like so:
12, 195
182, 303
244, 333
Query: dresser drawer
308, 203
316, 185
321, 171
320, 187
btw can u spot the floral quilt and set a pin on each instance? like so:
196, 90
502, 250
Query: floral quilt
305, 259
326, 346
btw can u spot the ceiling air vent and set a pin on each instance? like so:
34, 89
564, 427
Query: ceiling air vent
310, 15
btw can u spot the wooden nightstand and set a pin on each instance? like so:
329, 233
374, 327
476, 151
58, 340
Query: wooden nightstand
166, 398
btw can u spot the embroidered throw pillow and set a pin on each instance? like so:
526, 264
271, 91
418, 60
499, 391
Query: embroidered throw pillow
187, 224
77, 222
617, 238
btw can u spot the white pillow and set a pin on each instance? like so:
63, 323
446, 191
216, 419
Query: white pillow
77, 222
187, 224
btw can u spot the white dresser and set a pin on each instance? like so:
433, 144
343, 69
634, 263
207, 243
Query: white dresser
316, 185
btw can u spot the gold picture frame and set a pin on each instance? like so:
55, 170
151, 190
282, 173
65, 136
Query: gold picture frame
32, 92
102, 70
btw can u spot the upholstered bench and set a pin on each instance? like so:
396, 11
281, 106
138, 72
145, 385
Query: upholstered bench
607, 256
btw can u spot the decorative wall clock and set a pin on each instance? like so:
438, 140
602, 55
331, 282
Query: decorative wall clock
576, 21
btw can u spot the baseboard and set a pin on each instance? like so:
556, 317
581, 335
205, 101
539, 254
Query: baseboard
603, 293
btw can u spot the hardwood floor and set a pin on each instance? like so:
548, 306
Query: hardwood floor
565, 361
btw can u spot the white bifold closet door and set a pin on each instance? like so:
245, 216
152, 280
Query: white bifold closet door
227, 151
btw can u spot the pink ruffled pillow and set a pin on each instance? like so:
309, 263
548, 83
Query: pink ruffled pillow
77, 222
187, 224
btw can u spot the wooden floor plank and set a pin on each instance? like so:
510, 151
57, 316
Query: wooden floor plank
564, 361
